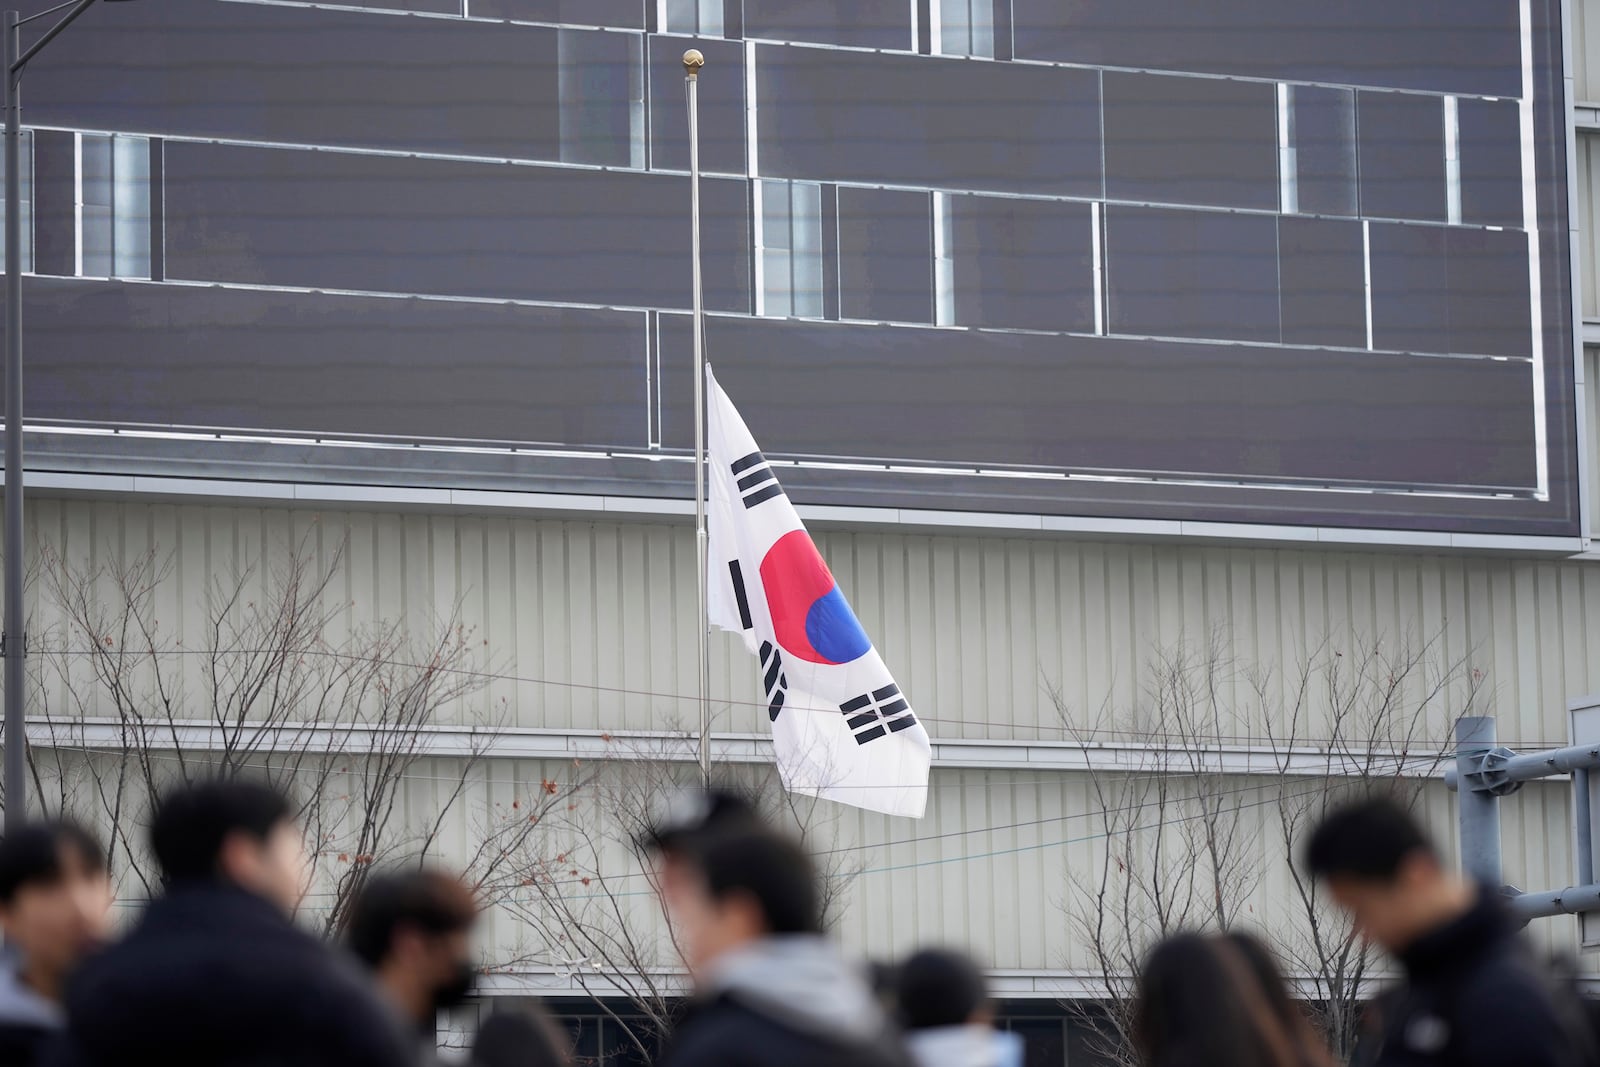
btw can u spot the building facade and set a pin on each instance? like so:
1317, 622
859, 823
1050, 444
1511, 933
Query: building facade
1182, 402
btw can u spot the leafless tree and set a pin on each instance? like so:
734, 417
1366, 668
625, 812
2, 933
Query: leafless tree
279, 685
1379, 715
1231, 768
1174, 853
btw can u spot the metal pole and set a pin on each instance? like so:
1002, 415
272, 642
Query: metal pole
12, 638
692, 62
1480, 811
1581, 815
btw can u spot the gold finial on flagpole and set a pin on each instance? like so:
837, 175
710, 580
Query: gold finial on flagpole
692, 62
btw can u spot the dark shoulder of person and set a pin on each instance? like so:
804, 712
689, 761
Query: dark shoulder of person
724, 1033
1509, 1009
249, 992
21, 1044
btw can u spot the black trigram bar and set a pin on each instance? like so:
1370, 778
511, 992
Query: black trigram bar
739, 594
775, 682
876, 714
760, 484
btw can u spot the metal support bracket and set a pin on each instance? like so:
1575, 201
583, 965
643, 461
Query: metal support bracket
1486, 772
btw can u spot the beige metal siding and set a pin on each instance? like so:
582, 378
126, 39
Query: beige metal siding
587, 625
1588, 198
1586, 51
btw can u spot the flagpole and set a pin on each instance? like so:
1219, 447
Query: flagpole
692, 62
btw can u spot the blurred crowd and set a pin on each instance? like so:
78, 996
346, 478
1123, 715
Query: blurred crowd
214, 970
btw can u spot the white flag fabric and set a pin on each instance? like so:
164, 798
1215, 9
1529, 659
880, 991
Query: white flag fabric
841, 727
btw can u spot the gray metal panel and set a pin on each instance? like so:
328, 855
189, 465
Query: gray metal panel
1491, 162
1402, 153
316, 363
1223, 132
1025, 264
1191, 274
305, 75
1321, 277
628, 14
853, 23
395, 224
885, 255
1467, 46
931, 122
1103, 403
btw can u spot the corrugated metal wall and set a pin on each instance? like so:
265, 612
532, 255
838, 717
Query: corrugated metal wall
588, 625
1586, 51
1588, 197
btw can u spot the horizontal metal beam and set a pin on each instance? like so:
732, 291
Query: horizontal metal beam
564, 981
1132, 757
1569, 901
287, 492
1533, 765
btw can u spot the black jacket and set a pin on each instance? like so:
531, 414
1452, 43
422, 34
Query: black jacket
1477, 997
27, 1020
722, 1032
215, 976
788, 1001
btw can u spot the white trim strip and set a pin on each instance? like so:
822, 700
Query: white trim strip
529, 743
1007, 984
1530, 223
403, 497
77, 204
1097, 212
1288, 164
1366, 274
1452, 160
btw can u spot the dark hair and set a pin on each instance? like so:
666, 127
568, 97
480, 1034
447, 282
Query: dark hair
32, 854
938, 987
521, 1036
690, 815
1199, 1003
1368, 839
192, 822
884, 978
769, 868
1264, 967
427, 900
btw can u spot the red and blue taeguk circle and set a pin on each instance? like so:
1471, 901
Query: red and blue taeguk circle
810, 615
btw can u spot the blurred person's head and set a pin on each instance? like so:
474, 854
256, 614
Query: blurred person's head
1199, 1002
414, 930
686, 817
240, 833
940, 987
740, 886
523, 1036
1382, 869
55, 900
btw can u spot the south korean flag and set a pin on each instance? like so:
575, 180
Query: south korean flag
841, 727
